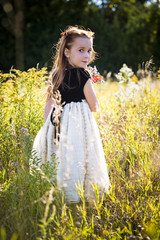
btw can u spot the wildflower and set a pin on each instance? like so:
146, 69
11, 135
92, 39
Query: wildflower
134, 78
95, 75
14, 164
24, 129
96, 78
125, 74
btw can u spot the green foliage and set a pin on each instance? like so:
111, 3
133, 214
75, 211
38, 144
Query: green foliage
21, 100
125, 31
32, 207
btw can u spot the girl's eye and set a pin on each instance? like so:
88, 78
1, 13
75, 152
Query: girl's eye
89, 50
81, 50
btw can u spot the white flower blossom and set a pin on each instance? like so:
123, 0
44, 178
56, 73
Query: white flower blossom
130, 90
125, 74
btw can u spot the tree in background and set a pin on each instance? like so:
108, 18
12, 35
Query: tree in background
13, 21
125, 31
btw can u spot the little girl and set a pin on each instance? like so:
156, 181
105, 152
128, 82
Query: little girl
74, 137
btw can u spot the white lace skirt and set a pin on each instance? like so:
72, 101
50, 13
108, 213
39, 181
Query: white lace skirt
79, 153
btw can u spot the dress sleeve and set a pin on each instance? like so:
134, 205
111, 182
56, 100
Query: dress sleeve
84, 75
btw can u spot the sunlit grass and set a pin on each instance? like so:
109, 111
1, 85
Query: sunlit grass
32, 207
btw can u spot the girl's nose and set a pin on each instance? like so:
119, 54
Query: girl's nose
87, 54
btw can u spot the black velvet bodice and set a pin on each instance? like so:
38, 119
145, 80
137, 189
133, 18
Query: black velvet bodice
71, 89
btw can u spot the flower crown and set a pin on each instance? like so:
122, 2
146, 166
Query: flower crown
66, 34
63, 33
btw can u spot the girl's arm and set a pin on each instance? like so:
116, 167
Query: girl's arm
48, 108
90, 96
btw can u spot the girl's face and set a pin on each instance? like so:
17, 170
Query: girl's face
79, 55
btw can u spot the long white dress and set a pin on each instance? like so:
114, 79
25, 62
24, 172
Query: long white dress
79, 152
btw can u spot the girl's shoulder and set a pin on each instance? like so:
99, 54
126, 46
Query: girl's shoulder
77, 73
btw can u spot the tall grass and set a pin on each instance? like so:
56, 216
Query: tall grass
32, 207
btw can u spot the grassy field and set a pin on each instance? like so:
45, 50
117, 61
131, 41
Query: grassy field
31, 207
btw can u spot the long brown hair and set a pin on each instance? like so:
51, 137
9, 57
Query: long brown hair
60, 60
